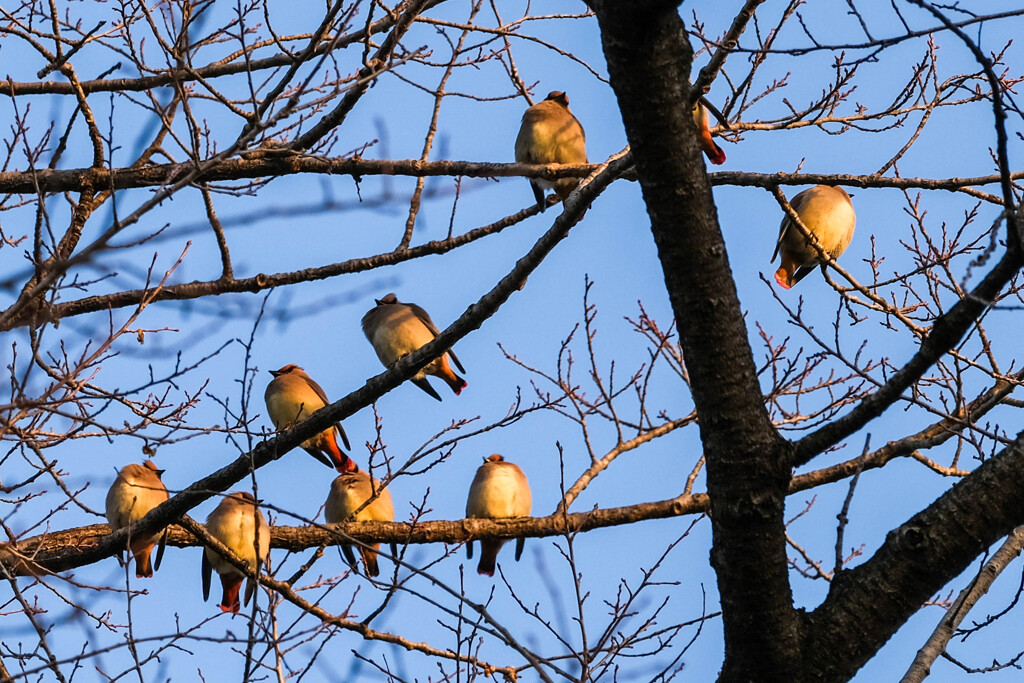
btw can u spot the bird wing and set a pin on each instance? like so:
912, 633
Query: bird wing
455, 359
803, 272
319, 456
423, 384
523, 155
207, 575
424, 317
583, 133
318, 390
782, 233
370, 321
344, 436
350, 557
797, 203
160, 550
538, 195
573, 148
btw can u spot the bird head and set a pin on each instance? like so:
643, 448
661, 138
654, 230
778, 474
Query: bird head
152, 465
387, 299
285, 370
559, 97
245, 497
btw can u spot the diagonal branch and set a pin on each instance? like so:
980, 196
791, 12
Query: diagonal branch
943, 633
866, 605
474, 316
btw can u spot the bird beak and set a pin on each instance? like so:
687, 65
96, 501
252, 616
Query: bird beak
378, 301
160, 473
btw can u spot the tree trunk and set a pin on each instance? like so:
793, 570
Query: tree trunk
748, 467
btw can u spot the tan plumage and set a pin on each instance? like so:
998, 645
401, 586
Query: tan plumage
291, 397
712, 151
499, 490
550, 134
396, 329
827, 213
137, 490
348, 493
235, 523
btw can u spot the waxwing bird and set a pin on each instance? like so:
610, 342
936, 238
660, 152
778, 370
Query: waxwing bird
396, 329
499, 490
827, 213
712, 151
550, 134
238, 524
137, 490
347, 501
291, 397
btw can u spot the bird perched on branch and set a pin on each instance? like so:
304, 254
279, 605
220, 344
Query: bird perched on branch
712, 151
291, 397
347, 501
137, 490
238, 524
550, 134
828, 215
499, 490
396, 329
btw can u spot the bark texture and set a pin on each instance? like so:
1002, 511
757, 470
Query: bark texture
649, 59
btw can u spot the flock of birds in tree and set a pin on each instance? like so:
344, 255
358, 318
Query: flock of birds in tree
549, 134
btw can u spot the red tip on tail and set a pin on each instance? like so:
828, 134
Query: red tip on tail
712, 151
370, 560
488, 556
143, 567
229, 601
454, 382
347, 465
782, 277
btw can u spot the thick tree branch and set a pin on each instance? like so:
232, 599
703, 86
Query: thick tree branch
866, 605
947, 331
747, 461
943, 633
275, 165
72, 548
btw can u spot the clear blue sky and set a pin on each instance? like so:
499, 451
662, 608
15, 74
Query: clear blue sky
275, 231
